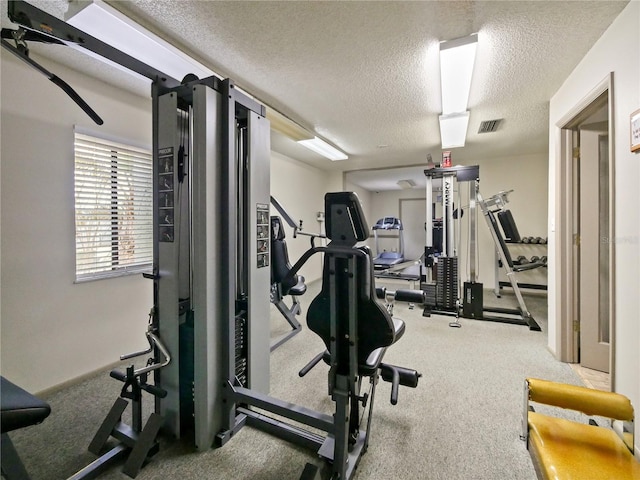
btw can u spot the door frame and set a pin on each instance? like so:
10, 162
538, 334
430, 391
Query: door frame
400, 203
566, 280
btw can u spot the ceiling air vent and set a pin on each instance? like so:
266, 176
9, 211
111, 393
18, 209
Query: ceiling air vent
489, 126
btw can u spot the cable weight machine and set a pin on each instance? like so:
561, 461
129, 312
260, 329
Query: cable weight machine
440, 272
211, 265
440, 275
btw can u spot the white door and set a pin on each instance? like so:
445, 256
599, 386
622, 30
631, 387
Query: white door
413, 216
594, 245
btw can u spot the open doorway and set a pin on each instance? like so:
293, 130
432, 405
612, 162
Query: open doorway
587, 246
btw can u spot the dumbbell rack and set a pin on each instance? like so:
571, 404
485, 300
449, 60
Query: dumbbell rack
535, 247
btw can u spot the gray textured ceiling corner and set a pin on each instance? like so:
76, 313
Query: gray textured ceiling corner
364, 74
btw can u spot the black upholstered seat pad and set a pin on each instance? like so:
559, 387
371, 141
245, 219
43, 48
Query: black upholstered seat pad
370, 365
299, 288
18, 408
373, 361
398, 328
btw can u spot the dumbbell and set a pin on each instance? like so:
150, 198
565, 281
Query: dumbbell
535, 259
521, 260
543, 259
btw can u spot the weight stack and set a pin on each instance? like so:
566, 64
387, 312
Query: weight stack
430, 294
447, 284
241, 350
186, 367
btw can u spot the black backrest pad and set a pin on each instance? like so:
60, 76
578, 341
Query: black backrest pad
503, 245
374, 324
345, 222
277, 232
509, 228
280, 265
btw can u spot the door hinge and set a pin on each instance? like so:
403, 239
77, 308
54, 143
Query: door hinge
576, 239
576, 325
576, 152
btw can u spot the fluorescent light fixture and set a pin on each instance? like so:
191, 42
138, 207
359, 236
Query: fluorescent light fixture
457, 58
105, 23
453, 129
287, 127
323, 148
406, 184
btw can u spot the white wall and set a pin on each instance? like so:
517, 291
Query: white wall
525, 174
336, 181
365, 197
300, 189
617, 51
52, 329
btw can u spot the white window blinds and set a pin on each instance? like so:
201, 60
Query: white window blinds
113, 208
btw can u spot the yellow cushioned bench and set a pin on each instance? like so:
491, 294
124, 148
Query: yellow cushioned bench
563, 449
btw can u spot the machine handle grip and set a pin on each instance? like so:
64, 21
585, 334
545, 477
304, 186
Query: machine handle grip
118, 375
307, 368
135, 354
23, 55
395, 385
77, 98
153, 390
154, 341
398, 376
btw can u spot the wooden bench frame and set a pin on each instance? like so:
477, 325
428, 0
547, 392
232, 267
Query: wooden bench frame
562, 448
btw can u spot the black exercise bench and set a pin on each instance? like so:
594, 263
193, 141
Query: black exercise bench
282, 285
19, 409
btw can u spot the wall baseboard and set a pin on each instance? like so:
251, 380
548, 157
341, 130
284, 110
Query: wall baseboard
76, 380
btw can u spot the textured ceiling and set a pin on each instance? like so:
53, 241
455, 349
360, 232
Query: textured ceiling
365, 75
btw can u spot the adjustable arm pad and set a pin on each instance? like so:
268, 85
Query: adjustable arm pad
583, 399
398, 376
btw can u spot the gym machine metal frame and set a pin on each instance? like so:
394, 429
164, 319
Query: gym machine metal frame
211, 266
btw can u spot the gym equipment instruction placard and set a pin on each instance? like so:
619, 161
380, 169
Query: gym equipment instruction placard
166, 213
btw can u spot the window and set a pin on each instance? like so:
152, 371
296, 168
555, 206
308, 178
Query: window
113, 208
